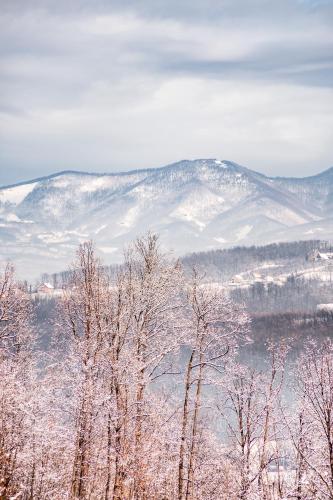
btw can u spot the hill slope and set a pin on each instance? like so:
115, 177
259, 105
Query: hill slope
194, 205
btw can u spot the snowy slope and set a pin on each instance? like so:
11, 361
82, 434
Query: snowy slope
194, 205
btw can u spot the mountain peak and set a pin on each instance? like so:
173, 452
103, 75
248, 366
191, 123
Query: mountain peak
193, 204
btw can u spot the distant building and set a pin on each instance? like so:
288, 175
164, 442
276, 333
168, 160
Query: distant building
318, 255
325, 307
45, 288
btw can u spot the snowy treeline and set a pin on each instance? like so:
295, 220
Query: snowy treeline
295, 295
224, 263
141, 394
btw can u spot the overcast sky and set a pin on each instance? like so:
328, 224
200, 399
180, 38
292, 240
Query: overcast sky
115, 85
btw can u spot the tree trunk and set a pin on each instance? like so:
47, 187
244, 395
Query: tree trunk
184, 428
190, 475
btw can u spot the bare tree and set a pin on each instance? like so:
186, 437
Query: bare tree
155, 333
123, 404
314, 440
249, 405
15, 385
277, 361
215, 327
85, 313
116, 375
242, 408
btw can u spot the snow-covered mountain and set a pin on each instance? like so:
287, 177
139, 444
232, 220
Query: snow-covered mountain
194, 205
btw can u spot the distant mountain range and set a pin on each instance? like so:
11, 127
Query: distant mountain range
193, 205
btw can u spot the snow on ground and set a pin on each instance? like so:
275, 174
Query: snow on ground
11, 217
107, 182
279, 274
15, 195
243, 232
322, 273
270, 265
131, 216
199, 207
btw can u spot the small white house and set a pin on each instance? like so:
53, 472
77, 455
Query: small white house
319, 255
325, 307
45, 288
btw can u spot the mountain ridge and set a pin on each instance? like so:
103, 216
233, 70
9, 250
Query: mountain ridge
329, 170
193, 204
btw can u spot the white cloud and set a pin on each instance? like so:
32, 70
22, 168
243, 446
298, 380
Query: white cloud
121, 89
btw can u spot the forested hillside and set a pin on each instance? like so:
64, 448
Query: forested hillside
143, 383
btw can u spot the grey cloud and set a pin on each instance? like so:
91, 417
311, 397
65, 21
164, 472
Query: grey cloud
277, 64
185, 9
61, 70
